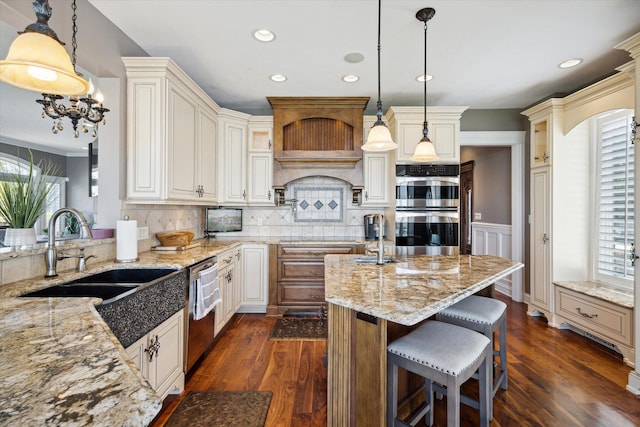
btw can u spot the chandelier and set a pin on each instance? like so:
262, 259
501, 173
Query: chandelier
87, 108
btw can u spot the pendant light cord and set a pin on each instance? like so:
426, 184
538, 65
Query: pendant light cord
74, 43
379, 104
425, 129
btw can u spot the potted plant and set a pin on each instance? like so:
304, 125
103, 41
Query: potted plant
23, 198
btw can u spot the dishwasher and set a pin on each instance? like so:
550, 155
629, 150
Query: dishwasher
200, 333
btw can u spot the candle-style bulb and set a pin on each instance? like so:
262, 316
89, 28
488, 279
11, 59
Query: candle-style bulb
92, 88
99, 97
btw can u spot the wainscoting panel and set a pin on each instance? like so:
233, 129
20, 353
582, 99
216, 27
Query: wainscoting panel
493, 239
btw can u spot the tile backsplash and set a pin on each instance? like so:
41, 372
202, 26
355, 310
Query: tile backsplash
322, 209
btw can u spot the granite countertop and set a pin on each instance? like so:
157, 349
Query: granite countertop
411, 289
60, 362
62, 365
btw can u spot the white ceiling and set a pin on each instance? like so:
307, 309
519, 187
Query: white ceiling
485, 54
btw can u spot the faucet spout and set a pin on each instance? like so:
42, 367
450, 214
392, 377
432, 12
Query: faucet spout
51, 255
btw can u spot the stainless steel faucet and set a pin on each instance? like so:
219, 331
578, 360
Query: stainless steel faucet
380, 260
51, 255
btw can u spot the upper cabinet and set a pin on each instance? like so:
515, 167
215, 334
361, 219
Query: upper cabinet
376, 172
172, 129
545, 126
232, 152
406, 125
260, 161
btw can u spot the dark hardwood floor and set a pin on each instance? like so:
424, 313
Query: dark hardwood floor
556, 377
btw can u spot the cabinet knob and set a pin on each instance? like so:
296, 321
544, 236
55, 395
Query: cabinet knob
244, 194
153, 349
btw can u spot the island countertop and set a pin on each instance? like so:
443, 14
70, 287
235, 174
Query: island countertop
410, 289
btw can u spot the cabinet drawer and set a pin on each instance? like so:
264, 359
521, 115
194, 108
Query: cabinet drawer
301, 294
301, 270
606, 319
311, 251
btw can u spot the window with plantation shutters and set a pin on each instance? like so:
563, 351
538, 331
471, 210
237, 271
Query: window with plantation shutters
615, 199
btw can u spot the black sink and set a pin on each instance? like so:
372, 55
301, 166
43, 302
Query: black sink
104, 291
126, 275
108, 285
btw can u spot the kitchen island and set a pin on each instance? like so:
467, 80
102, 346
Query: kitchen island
371, 305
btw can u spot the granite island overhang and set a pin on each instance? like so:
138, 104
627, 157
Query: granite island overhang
369, 304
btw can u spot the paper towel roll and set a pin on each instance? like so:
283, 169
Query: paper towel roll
126, 241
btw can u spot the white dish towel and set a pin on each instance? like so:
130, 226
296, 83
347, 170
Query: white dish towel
207, 292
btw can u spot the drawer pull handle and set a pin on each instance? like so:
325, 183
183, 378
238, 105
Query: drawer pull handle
586, 315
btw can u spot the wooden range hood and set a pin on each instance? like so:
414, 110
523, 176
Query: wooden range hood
317, 136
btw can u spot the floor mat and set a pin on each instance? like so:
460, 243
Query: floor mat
222, 408
299, 329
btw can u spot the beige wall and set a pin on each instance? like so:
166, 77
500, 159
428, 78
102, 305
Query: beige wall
491, 182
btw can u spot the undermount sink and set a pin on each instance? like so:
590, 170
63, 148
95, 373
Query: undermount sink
108, 285
373, 260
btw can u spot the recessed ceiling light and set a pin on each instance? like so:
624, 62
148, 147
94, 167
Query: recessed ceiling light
570, 63
264, 35
351, 78
354, 57
421, 77
278, 78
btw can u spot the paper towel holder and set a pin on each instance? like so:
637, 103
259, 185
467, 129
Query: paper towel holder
126, 260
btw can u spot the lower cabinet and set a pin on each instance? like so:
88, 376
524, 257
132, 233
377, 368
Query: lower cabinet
159, 356
603, 319
255, 278
230, 282
296, 275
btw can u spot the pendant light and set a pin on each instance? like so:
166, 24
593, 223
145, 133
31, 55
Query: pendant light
425, 151
37, 60
379, 138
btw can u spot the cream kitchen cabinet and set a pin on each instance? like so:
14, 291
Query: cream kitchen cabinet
260, 161
406, 125
159, 356
171, 135
232, 152
255, 278
540, 232
230, 276
376, 172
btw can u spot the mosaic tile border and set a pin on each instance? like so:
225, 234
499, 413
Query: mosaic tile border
319, 204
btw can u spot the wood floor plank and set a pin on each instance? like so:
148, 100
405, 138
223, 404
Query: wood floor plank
556, 378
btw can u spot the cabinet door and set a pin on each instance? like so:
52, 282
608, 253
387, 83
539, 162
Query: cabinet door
255, 276
136, 352
234, 188
408, 134
261, 138
376, 179
236, 278
207, 190
181, 144
444, 140
168, 363
260, 179
540, 240
144, 138
540, 147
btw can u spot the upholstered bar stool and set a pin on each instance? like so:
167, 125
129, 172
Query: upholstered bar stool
484, 315
443, 353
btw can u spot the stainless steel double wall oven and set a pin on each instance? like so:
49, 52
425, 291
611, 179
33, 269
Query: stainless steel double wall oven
426, 212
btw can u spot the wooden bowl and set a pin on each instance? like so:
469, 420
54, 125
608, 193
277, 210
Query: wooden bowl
175, 238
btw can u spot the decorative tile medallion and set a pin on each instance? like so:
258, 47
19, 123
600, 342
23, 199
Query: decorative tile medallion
319, 204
